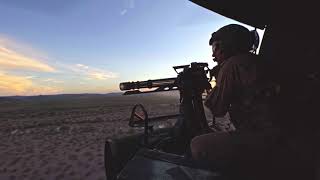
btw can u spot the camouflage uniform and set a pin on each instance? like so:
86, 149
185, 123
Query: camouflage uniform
240, 91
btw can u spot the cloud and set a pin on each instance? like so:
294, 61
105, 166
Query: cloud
20, 85
13, 60
52, 81
30, 77
92, 73
82, 66
99, 76
23, 71
10, 59
14, 83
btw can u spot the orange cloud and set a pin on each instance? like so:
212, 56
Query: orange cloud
10, 59
14, 84
93, 73
99, 76
19, 85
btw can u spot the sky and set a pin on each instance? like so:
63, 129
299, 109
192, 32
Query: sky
90, 46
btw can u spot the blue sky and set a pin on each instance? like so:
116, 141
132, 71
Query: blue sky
82, 46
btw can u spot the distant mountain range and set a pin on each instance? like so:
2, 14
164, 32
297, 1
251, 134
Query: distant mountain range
85, 95
61, 95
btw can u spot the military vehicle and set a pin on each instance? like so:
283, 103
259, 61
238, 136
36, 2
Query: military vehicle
289, 49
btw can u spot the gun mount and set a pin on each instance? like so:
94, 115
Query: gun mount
192, 80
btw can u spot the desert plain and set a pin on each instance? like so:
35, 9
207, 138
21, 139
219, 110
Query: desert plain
63, 136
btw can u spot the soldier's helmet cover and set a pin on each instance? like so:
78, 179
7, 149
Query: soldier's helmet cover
234, 36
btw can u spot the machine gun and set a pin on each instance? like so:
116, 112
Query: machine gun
195, 71
191, 81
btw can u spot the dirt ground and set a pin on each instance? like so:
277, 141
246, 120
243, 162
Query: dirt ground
63, 136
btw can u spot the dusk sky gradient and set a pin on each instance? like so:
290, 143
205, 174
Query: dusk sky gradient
90, 46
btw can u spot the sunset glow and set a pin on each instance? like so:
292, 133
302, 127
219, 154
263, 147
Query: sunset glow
92, 46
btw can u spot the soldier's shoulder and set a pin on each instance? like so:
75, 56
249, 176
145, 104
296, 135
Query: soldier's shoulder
243, 58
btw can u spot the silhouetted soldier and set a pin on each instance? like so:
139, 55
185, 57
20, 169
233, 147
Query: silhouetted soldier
240, 90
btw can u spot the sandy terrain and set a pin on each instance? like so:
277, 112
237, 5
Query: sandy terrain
51, 137
62, 137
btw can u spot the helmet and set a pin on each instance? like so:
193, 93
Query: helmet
233, 38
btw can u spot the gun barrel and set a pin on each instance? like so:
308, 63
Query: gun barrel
147, 84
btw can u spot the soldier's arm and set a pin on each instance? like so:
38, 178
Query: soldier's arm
219, 99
